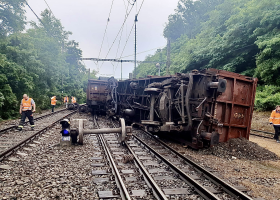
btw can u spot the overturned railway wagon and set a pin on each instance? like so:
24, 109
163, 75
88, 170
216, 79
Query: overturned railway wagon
199, 109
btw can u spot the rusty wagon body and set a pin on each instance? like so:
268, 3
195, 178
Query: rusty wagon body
199, 109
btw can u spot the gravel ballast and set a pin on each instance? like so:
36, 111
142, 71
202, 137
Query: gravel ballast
240, 148
49, 171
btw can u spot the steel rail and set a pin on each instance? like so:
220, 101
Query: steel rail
262, 131
29, 139
205, 193
262, 136
35, 119
159, 193
124, 192
216, 180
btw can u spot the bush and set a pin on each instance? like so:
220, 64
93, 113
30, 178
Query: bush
267, 97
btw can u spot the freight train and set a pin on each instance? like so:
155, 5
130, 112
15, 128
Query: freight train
199, 109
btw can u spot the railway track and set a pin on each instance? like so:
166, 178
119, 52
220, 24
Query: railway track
145, 167
35, 119
263, 134
142, 168
128, 181
11, 140
189, 170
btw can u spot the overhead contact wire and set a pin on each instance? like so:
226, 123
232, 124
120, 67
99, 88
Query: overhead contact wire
117, 35
35, 14
39, 19
140, 7
49, 7
105, 32
126, 7
127, 41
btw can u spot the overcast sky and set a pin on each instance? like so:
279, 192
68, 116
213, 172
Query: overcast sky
87, 20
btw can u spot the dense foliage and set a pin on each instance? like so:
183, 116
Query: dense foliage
241, 36
39, 61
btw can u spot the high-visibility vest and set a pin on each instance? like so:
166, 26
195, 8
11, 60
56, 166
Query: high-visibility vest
53, 101
66, 99
74, 100
26, 104
275, 118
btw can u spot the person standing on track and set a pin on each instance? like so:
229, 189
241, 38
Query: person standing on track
74, 100
66, 100
275, 121
53, 102
26, 111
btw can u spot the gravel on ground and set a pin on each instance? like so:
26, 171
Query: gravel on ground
240, 148
261, 178
50, 171
254, 164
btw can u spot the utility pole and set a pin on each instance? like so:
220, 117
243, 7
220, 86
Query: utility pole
135, 48
158, 66
62, 82
168, 57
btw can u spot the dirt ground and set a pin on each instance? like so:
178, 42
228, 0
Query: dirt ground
268, 170
260, 177
260, 121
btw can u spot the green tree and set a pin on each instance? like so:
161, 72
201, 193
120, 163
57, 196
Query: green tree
41, 62
11, 16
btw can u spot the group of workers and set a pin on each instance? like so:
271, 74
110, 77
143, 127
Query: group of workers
66, 100
28, 103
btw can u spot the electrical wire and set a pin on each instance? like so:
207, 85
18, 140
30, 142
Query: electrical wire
105, 31
49, 7
117, 36
131, 3
120, 38
35, 14
119, 44
40, 20
140, 7
125, 6
131, 29
142, 52
126, 41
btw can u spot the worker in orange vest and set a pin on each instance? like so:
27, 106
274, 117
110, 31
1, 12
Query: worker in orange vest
66, 100
74, 100
275, 121
26, 111
53, 102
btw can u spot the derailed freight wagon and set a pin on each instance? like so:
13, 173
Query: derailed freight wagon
97, 94
199, 109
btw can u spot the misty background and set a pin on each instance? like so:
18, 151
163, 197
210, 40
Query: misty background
87, 21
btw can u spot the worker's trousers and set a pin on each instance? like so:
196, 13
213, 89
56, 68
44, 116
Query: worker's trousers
27, 114
277, 131
53, 107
